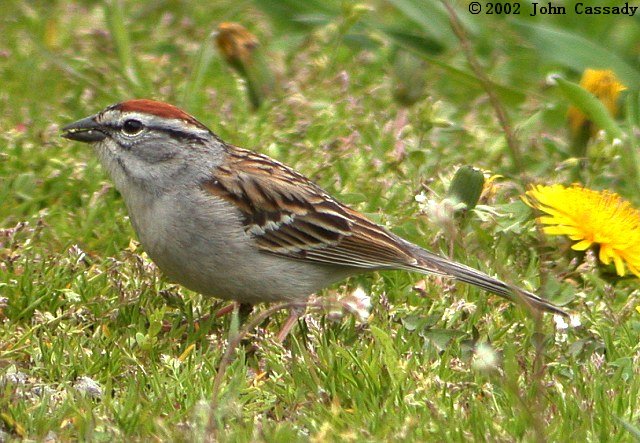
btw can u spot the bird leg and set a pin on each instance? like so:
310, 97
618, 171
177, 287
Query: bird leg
294, 314
244, 309
226, 310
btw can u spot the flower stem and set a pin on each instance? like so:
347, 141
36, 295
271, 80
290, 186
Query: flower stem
512, 141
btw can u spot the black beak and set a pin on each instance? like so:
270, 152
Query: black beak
85, 130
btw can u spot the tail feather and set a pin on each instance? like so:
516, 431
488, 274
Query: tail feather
434, 264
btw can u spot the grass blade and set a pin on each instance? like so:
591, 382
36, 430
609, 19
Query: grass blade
632, 429
591, 106
576, 52
633, 123
115, 17
194, 84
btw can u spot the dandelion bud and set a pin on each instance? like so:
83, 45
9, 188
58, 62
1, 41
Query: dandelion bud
466, 186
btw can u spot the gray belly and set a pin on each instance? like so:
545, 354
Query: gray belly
203, 247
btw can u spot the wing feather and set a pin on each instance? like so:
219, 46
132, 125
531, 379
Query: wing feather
289, 215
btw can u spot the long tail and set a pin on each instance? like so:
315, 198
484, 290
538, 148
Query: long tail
434, 264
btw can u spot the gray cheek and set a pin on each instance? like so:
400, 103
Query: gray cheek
152, 149
115, 165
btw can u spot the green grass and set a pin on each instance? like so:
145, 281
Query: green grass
81, 299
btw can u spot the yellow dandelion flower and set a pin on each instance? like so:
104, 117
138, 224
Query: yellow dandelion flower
591, 217
491, 185
606, 87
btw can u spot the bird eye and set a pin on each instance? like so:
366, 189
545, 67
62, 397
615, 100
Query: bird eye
132, 127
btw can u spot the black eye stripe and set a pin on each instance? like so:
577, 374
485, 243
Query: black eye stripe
172, 132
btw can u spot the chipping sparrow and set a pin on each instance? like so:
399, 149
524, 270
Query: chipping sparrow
235, 224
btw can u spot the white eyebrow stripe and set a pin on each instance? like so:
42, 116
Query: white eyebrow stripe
172, 124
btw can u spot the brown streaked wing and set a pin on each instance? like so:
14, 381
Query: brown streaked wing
289, 215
